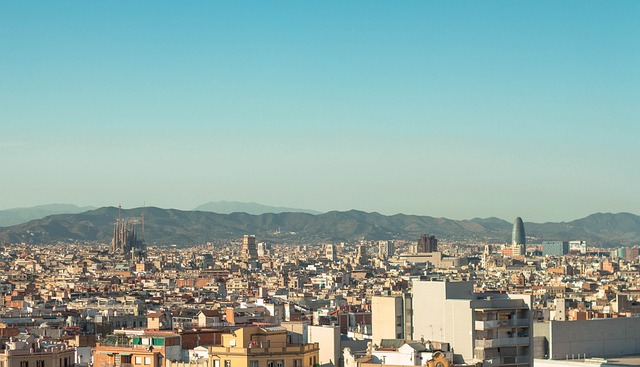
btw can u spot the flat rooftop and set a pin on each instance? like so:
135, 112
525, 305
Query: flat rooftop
589, 362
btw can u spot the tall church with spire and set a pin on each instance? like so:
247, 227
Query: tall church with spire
125, 239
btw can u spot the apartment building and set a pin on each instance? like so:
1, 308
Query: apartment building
31, 352
492, 329
267, 346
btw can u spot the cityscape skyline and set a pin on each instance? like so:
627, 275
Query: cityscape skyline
456, 110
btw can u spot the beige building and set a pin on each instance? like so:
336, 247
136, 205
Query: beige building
435, 259
254, 346
208, 318
387, 320
328, 339
29, 352
137, 348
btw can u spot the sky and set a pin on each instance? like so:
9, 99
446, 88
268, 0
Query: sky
456, 109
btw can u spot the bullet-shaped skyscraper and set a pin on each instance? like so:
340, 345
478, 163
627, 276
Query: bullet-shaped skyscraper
517, 236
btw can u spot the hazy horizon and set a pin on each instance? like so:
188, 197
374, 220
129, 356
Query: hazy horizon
93, 207
446, 109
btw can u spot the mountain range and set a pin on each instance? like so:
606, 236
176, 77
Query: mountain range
228, 207
9, 217
185, 228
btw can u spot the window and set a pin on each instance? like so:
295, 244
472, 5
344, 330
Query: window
147, 360
216, 363
297, 363
227, 363
253, 363
40, 363
278, 363
24, 363
138, 360
123, 359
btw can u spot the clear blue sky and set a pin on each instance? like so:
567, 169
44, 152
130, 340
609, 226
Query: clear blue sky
459, 109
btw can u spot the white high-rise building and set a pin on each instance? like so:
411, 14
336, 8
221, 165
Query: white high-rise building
330, 252
385, 249
580, 246
492, 329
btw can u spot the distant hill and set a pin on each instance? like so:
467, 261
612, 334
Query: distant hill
9, 217
606, 228
170, 226
228, 207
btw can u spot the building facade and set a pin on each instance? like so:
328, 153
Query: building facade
30, 352
427, 243
491, 329
386, 249
555, 248
137, 348
387, 318
254, 346
248, 251
328, 339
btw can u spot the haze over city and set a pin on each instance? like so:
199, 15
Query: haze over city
447, 109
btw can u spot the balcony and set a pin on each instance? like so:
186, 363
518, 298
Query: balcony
110, 346
494, 324
502, 342
505, 361
523, 359
277, 350
273, 348
491, 362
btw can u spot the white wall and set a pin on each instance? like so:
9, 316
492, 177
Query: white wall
437, 318
596, 337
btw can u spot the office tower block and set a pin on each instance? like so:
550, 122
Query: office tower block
427, 243
248, 250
